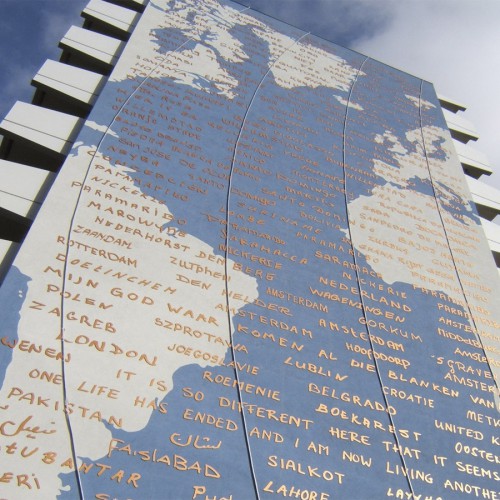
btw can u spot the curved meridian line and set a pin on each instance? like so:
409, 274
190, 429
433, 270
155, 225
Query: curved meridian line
438, 206
63, 288
363, 308
243, 418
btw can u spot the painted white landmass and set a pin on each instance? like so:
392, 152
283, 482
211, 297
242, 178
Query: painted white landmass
345, 102
415, 252
100, 128
420, 103
293, 63
141, 299
431, 249
207, 26
304, 65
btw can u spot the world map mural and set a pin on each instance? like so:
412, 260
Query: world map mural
258, 274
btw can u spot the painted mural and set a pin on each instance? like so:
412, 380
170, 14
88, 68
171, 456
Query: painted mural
259, 274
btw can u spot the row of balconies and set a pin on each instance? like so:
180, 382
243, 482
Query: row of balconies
37, 137
475, 164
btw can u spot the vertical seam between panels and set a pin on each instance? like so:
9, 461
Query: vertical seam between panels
363, 308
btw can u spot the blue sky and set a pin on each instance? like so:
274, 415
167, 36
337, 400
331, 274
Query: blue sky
452, 43
29, 33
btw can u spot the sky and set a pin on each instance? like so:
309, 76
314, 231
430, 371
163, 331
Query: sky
451, 43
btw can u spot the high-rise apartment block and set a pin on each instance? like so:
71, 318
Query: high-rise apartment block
257, 270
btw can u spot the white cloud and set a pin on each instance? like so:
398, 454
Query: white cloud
453, 44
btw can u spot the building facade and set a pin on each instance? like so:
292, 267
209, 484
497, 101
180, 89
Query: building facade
259, 270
